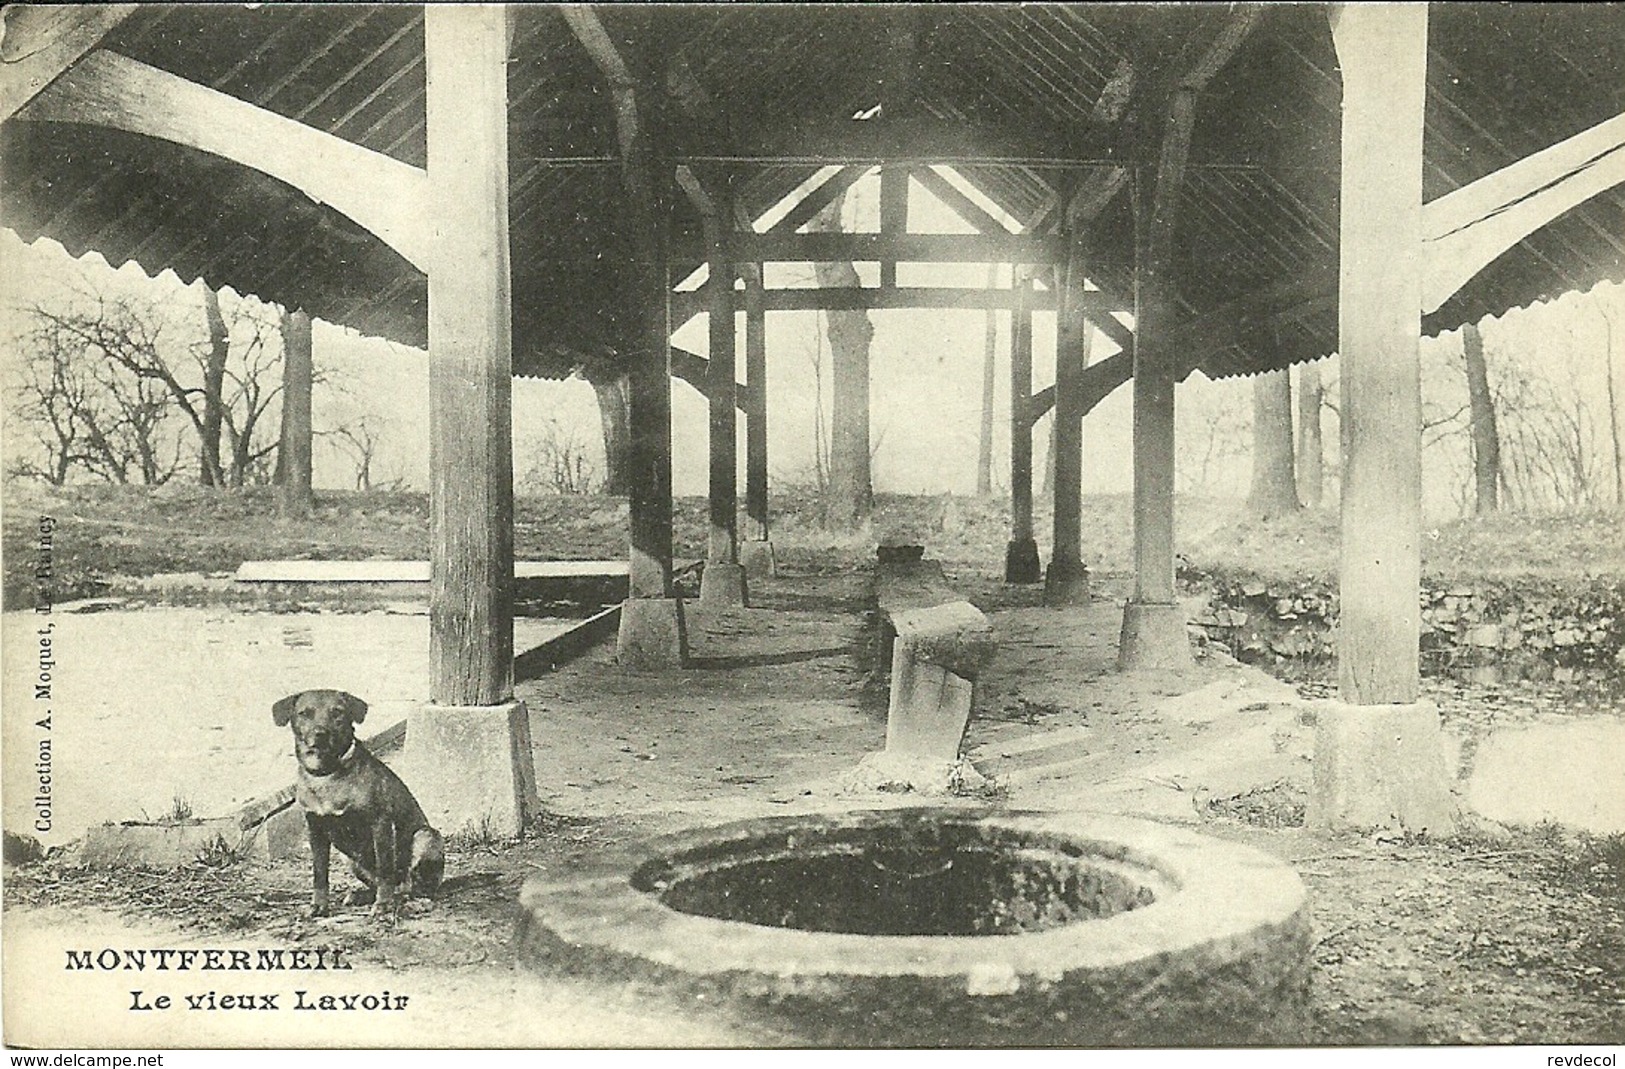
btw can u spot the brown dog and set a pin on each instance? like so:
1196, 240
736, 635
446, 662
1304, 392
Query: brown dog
354, 802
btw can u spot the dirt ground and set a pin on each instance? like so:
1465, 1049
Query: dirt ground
1491, 936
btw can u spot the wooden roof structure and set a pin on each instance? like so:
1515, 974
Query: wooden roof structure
1028, 102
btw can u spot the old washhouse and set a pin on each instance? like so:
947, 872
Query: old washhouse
517, 189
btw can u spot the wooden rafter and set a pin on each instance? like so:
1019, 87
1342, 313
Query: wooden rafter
851, 298
40, 41
382, 194
824, 247
817, 200
1464, 230
956, 200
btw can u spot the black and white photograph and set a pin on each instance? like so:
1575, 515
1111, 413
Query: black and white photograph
765, 526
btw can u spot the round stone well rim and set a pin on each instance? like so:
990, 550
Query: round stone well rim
1211, 895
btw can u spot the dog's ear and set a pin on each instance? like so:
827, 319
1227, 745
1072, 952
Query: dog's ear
282, 711
356, 707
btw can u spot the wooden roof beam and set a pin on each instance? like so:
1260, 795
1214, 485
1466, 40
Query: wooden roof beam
40, 41
380, 193
829, 247
1464, 230
818, 199
957, 201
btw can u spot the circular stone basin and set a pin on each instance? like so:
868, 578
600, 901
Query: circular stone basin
921, 927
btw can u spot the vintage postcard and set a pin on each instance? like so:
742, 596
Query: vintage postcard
813, 525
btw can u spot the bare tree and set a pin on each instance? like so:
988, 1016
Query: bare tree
122, 332
358, 440
89, 413
1273, 492
558, 463
1485, 438
1613, 403
210, 472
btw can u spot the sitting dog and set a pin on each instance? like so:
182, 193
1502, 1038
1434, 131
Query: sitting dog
354, 802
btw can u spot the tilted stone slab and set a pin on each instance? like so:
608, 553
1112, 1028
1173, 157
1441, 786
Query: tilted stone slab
955, 637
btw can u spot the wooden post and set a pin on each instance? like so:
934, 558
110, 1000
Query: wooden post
1379, 758
1153, 634
756, 553
1067, 580
470, 367
471, 746
723, 582
1383, 53
893, 213
293, 494
652, 632
1021, 564
756, 404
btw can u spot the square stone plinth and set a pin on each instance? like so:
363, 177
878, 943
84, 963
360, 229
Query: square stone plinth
1380, 766
470, 767
1153, 636
722, 586
757, 557
653, 634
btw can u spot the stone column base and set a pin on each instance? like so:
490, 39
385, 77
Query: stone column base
1021, 563
1380, 766
1153, 636
1066, 584
722, 586
470, 767
757, 557
653, 634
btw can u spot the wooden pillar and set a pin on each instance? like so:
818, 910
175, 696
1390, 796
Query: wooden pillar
722, 543
1021, 564
1383, 53
723, 582
471, 746
1067, 580
293, 493
1153, 634
756, 405
1379, 756
470, 360
893, 213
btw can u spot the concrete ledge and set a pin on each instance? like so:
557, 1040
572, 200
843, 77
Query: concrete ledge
758, 559
722, 586
160, 846
1021, 563
471, 768
1066, 584
1153, 636
653, 634
1380, 766
563, 648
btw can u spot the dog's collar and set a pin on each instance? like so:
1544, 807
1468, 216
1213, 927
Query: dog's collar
346, 759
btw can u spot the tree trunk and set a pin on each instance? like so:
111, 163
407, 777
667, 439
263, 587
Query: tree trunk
293, 492
990, 345
1273, 492
1613, 409
214, 382
615, 416
1311, 450
851, 493
1486, 437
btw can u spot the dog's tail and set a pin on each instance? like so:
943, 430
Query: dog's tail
428, 861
